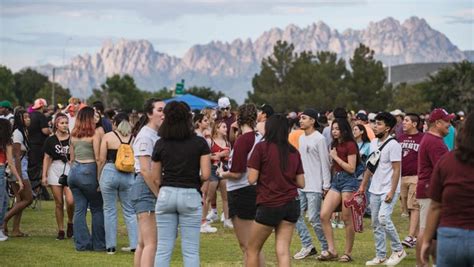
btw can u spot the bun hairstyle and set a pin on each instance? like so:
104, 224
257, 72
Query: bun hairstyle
177, 124
198, 117
247, 114
148, 110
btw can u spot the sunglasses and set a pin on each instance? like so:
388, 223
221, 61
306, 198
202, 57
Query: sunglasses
227, 108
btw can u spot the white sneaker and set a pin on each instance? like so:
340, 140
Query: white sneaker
228, 224
340, 224
206, 228
3, 237
305, 252
376, 261
396, 257
211, 217
127, 249
222, 217
333, 224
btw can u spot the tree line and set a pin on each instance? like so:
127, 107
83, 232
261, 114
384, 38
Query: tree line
288, 81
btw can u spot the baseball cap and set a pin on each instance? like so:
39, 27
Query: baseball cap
6, 104
223, 102
311, 112
440, 114
39, 103
267, 109
362, 117
371, 116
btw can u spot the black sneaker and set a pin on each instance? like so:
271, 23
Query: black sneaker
69, 230
61, 235
111, 251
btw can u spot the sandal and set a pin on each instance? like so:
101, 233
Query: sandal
345, 258
327, 256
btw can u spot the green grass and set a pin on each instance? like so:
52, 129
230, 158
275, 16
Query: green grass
220, 249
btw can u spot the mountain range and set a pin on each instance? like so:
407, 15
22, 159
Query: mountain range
229, 67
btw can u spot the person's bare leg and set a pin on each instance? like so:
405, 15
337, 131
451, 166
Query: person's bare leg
225, 202
330, 203
414, 219
242, 232
283, 235
24, 199
258, 235
147, 239
69, 204
347, 218
59, 203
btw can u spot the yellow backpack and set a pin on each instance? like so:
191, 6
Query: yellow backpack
125, 161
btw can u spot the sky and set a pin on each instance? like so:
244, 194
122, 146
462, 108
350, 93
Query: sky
36, 32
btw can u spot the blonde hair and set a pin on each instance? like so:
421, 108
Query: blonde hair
123, 125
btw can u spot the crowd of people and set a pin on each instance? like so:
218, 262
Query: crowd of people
273, 171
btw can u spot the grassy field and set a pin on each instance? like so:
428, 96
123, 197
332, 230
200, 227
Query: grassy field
220, 249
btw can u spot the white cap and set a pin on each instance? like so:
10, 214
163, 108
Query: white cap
362, 111
397, 112
371, 116
460, 113
223, 102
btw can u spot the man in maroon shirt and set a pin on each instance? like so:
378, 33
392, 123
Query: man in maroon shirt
432, 147
410, 142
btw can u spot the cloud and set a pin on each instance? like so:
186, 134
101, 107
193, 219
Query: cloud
465, 16
159, 11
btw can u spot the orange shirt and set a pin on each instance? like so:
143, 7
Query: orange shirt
370, 132
294, 138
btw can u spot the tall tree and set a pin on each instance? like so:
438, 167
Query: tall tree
61, 95
410, 97
7, 83
27, 84
367, 81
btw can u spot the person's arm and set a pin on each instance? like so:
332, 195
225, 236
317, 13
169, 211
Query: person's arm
146, 172
322, 149
205, 164
395, 178
47, 160
13, 169
253, 175
16, 151
433, 217
71, 152
102, 155
300, 181
349, 166
96, 147
46, 131
156, 176
365, 181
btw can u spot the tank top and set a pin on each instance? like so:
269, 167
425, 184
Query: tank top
3, 156
215, 148
83, 150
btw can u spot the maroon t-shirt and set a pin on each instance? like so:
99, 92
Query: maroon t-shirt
243, 146
432, 147
275, 187
343, 151
452, 185
410, 147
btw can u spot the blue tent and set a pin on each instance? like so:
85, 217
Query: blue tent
193, 101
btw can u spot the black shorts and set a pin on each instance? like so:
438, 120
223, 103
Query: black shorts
242, 202
272, 216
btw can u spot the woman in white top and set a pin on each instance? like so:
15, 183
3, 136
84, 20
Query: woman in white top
20, 149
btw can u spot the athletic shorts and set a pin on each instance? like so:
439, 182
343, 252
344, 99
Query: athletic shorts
242, 202
272, 216
408, 191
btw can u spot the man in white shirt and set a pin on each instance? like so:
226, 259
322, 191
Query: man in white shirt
384, 191
6, 109
315, 158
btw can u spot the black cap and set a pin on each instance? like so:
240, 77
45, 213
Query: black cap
311, 113
267, 110
362, 117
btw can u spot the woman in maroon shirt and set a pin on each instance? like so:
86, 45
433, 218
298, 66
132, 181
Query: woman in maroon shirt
452, 203
277, 167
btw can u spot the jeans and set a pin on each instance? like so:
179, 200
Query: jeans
178, 207
312, 202
3, 194
455, 247
383, 225
83, 183
114, 183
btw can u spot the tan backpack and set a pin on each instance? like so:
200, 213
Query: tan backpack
125, 160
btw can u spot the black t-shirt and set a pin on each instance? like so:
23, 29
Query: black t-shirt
180, 161
38, 122
55, 150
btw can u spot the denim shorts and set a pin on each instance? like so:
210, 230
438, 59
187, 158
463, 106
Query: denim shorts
344, 182
143, 199
214, 177
272, 216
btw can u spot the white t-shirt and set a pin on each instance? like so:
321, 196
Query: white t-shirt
315, 158
18, 139
144, 144
9, 117
382, 179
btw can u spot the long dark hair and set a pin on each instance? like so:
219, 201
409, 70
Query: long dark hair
365, 137
276, 132
177, 124
346, 135
19, 124
465, 141
5, 134
147, 109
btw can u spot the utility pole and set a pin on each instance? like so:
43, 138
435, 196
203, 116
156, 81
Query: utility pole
53, 89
